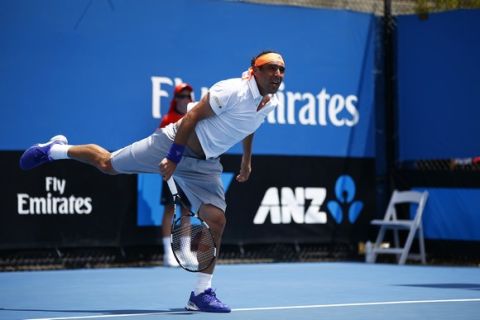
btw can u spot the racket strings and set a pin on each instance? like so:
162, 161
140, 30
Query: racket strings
192, 243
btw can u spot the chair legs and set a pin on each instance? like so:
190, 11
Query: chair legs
402, 253
421, 245
406, 248
378, 242
396, 241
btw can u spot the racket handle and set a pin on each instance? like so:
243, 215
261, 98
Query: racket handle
172, 187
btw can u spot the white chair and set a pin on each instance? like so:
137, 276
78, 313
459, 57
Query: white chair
391, 222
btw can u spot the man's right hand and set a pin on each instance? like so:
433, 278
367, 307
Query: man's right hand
167, 167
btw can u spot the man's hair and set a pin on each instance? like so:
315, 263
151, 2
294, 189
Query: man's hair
252, 62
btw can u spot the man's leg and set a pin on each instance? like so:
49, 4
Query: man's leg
215, 218
93, 155
203, 298
57, 148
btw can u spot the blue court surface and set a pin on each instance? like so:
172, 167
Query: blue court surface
254, 291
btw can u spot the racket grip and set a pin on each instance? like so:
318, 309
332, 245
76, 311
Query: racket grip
172, 187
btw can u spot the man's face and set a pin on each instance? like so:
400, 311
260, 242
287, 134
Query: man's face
269, 77
183, 98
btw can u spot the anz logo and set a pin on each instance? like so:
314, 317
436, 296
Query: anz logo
303, 205
287, 205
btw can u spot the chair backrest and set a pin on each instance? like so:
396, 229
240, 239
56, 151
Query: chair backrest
412, 197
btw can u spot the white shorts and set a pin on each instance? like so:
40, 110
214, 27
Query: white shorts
200, 179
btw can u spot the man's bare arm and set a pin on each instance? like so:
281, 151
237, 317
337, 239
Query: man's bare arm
246, 165
186, 126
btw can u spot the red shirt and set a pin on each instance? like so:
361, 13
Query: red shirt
171, 117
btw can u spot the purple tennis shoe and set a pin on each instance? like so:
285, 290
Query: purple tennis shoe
206, 301
38, 154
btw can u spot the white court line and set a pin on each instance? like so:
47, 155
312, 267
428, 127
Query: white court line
359, 304
313, 306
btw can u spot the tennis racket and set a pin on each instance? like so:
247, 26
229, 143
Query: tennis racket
192, 241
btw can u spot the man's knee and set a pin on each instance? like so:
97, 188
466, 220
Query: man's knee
214, 216
106, 167
219, 219
104, 164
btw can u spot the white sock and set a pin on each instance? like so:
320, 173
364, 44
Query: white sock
204, 281
185, 242
59, 151
167, 249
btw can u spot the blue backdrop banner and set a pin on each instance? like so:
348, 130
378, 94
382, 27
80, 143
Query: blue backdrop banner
452, 214
103, 71
438, 92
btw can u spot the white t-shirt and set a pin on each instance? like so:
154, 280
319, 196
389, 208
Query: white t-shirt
235, 103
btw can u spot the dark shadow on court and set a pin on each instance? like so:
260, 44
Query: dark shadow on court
467, 286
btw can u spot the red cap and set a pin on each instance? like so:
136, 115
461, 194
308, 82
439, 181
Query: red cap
182, 86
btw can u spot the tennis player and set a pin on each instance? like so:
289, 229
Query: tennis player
189, 150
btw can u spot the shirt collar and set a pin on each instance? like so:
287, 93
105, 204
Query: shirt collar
252, 85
